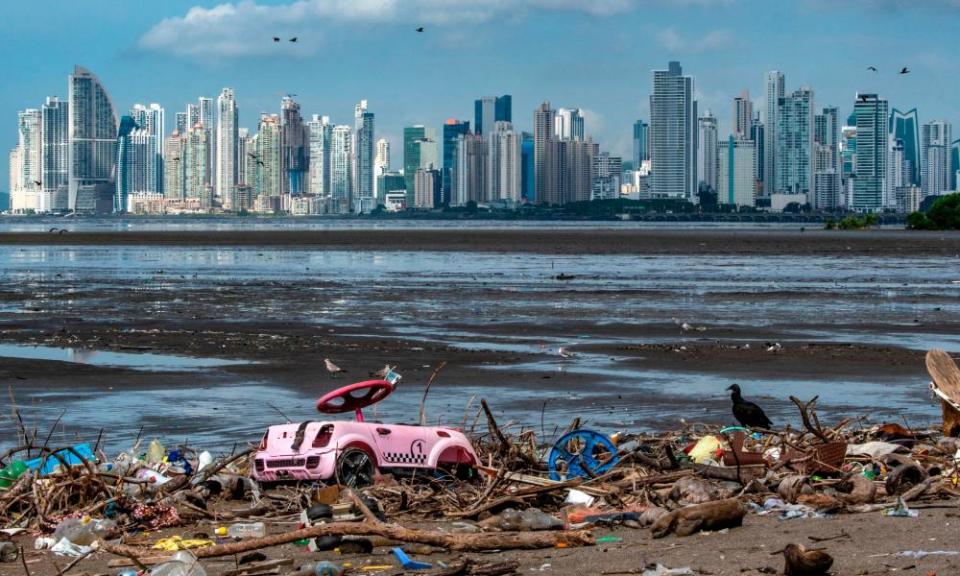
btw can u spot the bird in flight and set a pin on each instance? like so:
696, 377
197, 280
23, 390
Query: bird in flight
862, 97
294, 39
276, 38
904, 70
872, 68
748, 414
420, 29
38, 183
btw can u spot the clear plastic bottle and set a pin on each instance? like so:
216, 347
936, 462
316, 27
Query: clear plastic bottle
83, 531
183, 563
241, 531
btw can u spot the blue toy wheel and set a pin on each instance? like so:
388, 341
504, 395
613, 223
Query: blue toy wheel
581, 454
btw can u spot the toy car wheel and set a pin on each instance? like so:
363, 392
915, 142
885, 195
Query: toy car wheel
355, 468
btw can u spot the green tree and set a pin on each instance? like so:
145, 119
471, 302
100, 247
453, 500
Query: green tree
945, 212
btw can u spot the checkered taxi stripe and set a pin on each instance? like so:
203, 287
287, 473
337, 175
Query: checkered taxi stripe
404, 458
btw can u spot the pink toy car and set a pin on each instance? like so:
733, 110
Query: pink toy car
350, 453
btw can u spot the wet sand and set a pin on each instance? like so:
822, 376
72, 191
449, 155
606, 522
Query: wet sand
538, 240
852, 325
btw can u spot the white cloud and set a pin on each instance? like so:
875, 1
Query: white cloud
673, 41
245, 27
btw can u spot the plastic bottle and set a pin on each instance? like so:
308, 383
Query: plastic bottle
83, 531
155, 452
183, 563
324, 568
11, 473
241, 531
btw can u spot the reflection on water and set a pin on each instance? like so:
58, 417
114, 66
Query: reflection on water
133, 360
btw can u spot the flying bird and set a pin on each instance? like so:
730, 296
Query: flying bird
294, 39
276, 38
420, 29
862, 97
748, 414
904, 70
38, 183
872, 68
331, 367
802, 561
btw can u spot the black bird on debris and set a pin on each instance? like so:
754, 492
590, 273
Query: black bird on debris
748, 414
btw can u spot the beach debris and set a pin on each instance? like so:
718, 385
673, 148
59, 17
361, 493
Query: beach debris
688, 520
524, 520
582, 454
901, 510
661, 570
564, 353
773, 347
946, 386
802, 561
331, 367
407, 563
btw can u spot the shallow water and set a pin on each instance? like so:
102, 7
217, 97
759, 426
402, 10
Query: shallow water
465, 300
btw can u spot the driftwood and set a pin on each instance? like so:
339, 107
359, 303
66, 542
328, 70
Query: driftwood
715, 515
946, 378
460, 542
518, 496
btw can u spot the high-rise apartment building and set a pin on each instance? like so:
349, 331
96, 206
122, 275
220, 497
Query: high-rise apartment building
419, 151
775, 84
736, 181
526, 173
150, 119
707, 143
937, 163
55, 153
174, 166
795, 132
452, 130
471, 171
341, 168
543, 162
363, 144
673, 134
381, 165
869, 186
227, 149
197, 166
742, 116
321, 142
295, 148
27, 195
607, 176
268, 156
905, 126
503, 166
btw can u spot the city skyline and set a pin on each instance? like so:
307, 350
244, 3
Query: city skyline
724, 53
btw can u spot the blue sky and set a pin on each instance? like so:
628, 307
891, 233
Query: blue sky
597, 55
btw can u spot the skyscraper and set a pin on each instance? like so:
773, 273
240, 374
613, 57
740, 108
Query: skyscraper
905, 126
181, 123
673, 134
426, 188
206, 110
197, 166
742, 116
826, 169
937, 170
26, 195
294, 157
55, 152
795, 131
707, 150
736, 182
151, 120
419, 151
869, 186
526, 173
321, 139
641, 143
452, 130
269, 157
490, 109
363, 142
543, 161
341, 166
381, 165
131, 162
174, 167
228, 161
471, 171
569, 124
93, 142
775, 91
503, 166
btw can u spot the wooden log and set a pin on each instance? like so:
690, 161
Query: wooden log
459, 542
946, 378
715, 515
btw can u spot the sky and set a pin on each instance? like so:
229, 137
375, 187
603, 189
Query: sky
597, 55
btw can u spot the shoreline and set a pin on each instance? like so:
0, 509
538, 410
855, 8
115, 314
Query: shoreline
591, 241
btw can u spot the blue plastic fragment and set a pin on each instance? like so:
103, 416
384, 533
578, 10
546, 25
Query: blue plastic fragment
65, 455
407, 563
564, 464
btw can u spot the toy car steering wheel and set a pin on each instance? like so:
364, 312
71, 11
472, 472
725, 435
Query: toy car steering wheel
354, 397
